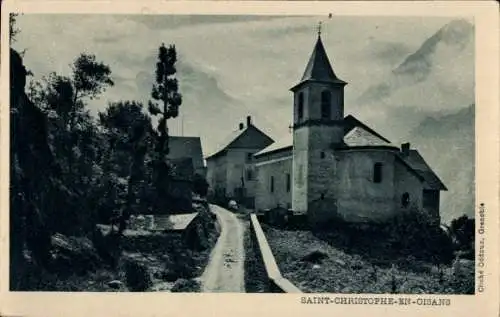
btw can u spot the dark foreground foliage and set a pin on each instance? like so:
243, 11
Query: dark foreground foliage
70, 171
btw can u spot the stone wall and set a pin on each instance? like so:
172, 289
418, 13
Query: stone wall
276, 283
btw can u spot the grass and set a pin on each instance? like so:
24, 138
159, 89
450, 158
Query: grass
350, 272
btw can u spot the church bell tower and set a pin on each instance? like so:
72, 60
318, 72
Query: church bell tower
318, 113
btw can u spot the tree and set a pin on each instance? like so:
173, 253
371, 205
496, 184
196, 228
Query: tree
463, 231
166, 102
167, 99
128, 130
74, 136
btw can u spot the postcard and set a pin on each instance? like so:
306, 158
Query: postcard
249, 158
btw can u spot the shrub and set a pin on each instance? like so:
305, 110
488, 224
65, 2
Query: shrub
186, 286
414, 233
463, 231
137, 276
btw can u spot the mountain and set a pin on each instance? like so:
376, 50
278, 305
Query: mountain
447, 143
440, 69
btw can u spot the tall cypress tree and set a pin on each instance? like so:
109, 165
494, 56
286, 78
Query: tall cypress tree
165, 102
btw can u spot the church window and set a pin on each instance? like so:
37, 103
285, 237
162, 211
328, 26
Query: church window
326, 104
271, 185
322, 196
377, 173
249, 157
322, 155
405, 200
288, 185
249, 175
300, 110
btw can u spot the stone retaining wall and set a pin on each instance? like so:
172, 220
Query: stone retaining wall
276, 282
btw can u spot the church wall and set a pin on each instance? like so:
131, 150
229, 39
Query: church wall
300, 170
407, 182
320, 164
278, 168
359, 198
305, 93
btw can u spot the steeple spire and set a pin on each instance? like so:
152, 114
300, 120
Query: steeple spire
319, 68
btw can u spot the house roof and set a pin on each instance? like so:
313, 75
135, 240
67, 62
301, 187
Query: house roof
319, 68
417, 163
231, 139
186, 147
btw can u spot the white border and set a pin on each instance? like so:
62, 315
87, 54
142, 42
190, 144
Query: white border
166, 304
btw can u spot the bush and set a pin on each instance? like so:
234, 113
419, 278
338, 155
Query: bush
186, 286
137, 276
414, 233
463, 231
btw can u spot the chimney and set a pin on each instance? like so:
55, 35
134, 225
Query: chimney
405, 149
241, 126
249, 121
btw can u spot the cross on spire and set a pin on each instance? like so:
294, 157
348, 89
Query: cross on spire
319, 28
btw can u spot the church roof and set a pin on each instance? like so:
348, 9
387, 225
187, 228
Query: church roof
417, 163
356, 132
359, 136
350, 122
319, 68
282, 144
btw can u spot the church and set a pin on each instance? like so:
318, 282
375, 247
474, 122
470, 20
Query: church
331, 166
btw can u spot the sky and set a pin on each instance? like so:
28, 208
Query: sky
233, 66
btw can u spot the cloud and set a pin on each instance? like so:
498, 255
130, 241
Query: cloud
160, 22
229, 66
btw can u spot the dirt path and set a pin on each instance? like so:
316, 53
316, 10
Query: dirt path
224, 272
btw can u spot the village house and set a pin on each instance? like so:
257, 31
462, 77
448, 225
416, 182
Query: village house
331, 165
231, 170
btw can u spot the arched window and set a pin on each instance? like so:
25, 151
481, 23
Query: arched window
377, 173
405, 200
326, 105
300, 110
